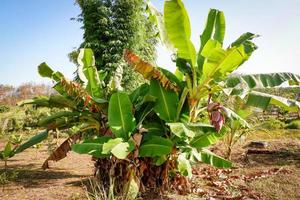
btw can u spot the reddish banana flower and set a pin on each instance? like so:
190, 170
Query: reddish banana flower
216, 117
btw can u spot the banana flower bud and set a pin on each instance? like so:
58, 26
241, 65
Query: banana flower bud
215, 115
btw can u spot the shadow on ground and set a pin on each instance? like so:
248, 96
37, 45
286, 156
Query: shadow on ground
38, 178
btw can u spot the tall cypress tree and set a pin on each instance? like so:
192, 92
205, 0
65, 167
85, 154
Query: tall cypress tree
113, 25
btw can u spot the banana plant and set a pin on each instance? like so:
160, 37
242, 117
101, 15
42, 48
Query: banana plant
163, 127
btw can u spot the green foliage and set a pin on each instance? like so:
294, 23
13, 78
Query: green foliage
261, 80
7, 151
120, 117
211, 24
93, 147
45, 71
4, 108
178, 29
88, 73
167, 101
262, 100
20, 119
272, 124
7, 176
214, 160
32, 141
109, 27
293, 125
118, 148
156, 146
184, 165
205, 139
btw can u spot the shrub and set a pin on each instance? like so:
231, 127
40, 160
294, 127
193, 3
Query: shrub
272, 124
293, 125
4, 108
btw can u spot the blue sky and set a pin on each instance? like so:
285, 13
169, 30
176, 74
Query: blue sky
34, 31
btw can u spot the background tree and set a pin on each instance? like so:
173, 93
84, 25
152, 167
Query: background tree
10, 95
111, 26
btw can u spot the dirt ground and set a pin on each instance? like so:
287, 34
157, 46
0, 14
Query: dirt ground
62, 181
257, 176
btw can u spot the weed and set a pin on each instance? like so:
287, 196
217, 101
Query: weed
8, 175
95, 191
4, 108
272, 124
293, 125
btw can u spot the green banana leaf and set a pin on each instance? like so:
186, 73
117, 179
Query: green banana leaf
206, 138
93, 147
120, 116
154, 128
263, 100
172, 77
155, 146
178, 29
198, 132
166, 103
181, 130
88, 73
253, 81
212, 159
110, 144
244, 38
184, 165
215, 24
118, 147
122, 150
138, 94
234, 116
220, 27
206, 35
45, 121
57, 101
220, 62
41, 101
158, 19
45, 71
32, 141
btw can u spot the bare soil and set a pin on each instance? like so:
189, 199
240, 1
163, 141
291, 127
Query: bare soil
64, 179
256, 176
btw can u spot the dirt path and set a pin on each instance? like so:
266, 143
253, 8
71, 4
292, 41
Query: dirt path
62, 181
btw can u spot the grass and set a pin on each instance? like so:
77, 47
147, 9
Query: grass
293, 125
7, 175
274, 134
95, 191
278, 187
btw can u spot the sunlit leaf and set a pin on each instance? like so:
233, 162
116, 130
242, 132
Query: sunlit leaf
88, 73
184, 165
214, 160
178, 29
263, 100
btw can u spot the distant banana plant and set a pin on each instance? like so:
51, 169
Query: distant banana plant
144, 138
